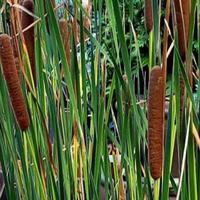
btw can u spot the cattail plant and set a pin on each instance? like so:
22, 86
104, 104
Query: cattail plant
65, 32
14, 16
156, 122
27, 20
13, 83
148, 15
182, 8
75, 24
88, 8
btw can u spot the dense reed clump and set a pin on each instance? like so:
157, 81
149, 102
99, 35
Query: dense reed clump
156, 122
65, 32
13, 83
27, 20
148, 15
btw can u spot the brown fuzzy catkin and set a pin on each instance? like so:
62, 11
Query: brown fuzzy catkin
13, 83
155, 122
182, 19
86, 19
15, 53
148, 15
65, 36
27, 20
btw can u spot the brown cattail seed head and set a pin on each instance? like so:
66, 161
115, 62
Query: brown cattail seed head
76, 30
13, 83
86, 20
65, 36
148, 15
182, 8
182, 19
155, 122
27, 20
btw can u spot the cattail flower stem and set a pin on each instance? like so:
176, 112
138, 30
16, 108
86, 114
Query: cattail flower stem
13, 83
155, 122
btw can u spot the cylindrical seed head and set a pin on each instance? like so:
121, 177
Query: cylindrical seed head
155, 122
13, 83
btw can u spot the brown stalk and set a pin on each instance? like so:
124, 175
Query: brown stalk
27, 20
13, 83
14, 18
53, 3
156, 122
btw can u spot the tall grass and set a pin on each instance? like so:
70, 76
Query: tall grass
87, 137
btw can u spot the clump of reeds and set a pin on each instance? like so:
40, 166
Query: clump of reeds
148, 15
65, 32
27, 20
13, 83
155, 122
